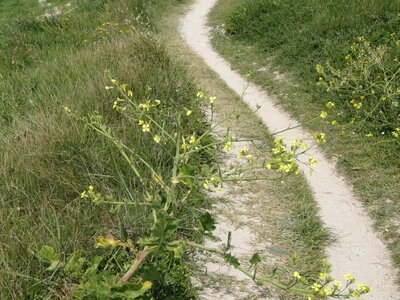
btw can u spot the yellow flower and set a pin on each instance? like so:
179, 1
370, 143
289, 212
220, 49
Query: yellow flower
323, 114
228, 146
330, 105
312, 161
334, 122
395, 134
108, 87
319, 69
316, 287
212, 99
192, 139
200, 94
66, 108
146, 127
348, 277
157, 138
243, 151
337, 284
323, 275
320, 137
327, 290
189, 112
369, 134
297, 275
357, 105
130, 93
383, 99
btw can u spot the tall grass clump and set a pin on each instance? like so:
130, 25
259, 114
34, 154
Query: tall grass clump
49, 159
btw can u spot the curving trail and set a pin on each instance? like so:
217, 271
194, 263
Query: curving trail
358, 249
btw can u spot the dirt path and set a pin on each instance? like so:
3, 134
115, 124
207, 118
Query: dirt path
358, 249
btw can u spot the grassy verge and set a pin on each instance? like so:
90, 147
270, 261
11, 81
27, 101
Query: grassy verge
280, 43
48, 159
288, 211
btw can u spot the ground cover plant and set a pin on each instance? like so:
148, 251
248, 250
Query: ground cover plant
336, 62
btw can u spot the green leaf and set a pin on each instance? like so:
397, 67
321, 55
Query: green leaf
187, 170
177, 249
48, 255
152, 274
92, 270
164, 227
74, 263
132, 291
232, 260
255, 259
207, 222
54, 265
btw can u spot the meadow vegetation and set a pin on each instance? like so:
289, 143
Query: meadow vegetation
336, 63
101, 133
48, 159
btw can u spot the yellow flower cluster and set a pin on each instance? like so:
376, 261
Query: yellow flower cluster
108, 28
320, 137
213, 181
283, 159
90, 194
145, 125
116, 105
327, 286
190, 142
148, 105
245, 153
396, 133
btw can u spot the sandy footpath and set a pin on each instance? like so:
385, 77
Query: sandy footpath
358, 250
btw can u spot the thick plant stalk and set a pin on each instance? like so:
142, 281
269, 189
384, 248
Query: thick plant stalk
138, 261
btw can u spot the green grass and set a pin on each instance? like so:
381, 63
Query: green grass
280, 42
48, 159
16, 9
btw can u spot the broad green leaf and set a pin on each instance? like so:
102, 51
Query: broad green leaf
255, 259
54, 265
232, 260
48, 255
74, 263
187, 170
207, 222
177, 249
92, 270
164, 227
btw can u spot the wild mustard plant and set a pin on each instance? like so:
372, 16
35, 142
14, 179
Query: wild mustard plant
166, 194
367, 89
